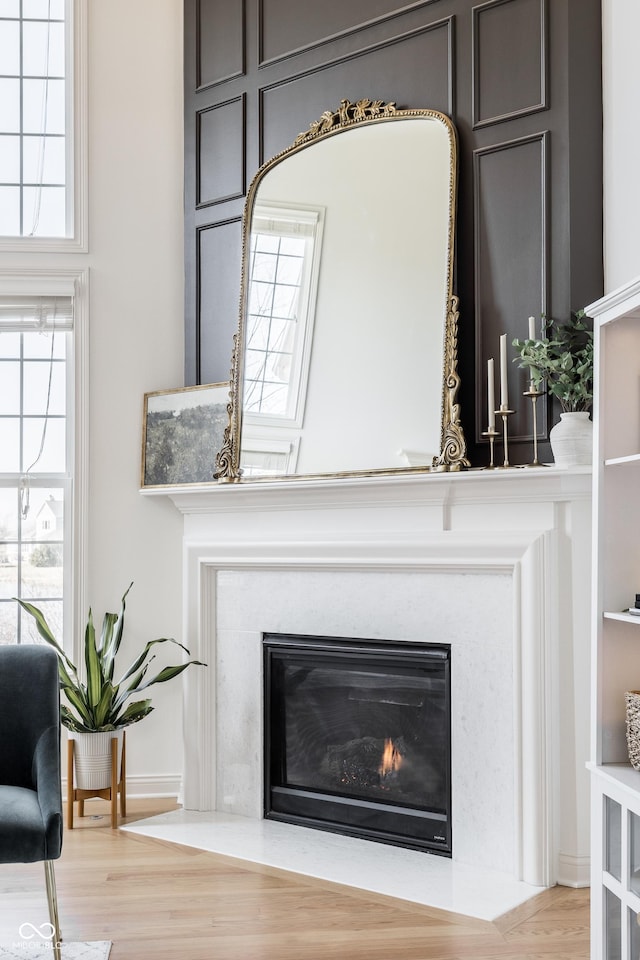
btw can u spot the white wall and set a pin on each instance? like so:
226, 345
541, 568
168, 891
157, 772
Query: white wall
621, 96
136, 335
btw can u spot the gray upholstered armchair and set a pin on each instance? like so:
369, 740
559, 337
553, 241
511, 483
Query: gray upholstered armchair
30, 797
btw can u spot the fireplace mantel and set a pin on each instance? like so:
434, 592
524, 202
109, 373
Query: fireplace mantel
528, 530
402, 490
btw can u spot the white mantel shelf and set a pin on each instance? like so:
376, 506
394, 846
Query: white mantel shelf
539, 484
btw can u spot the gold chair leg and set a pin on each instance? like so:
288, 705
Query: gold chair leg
52, 899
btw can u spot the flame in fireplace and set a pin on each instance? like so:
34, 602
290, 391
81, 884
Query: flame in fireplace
391, 759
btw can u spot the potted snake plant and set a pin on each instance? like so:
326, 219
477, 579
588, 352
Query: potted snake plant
102, 705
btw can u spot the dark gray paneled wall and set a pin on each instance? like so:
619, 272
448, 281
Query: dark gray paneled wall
521, 80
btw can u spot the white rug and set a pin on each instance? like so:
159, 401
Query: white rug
26, 947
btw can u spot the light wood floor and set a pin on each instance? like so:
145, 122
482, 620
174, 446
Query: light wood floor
159, 901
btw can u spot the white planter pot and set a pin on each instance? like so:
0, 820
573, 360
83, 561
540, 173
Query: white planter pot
572, 440
92, 758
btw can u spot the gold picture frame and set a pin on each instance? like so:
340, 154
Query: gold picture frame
182, 434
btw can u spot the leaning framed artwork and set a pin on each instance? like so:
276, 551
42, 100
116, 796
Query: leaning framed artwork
182, 433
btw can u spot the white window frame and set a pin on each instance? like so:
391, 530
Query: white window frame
37, 281
313, 218
77, 110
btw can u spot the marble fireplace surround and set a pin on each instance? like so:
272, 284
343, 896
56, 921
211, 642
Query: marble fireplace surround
494, 563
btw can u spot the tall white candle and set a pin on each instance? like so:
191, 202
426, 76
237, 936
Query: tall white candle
504, 389
491, 395
532, 336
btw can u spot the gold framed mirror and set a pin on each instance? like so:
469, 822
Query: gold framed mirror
345, 359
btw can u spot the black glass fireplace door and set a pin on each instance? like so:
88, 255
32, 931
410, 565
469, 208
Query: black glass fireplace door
357, 738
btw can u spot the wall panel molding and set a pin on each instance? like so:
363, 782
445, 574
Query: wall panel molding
218, 259
509, 80
221, 162
504, 233
327, 36
220, 41
443, 74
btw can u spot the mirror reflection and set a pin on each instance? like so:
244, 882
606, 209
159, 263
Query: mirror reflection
345, 358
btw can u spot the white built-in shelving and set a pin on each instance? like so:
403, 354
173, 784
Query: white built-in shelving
615, 849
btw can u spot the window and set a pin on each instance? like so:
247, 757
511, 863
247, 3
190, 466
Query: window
36, 399
283, 265
38, 149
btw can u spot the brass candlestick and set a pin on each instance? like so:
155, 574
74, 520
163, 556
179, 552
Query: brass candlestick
491, 433
533, 394
505, 413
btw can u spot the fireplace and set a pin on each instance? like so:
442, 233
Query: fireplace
357, 738
494, 563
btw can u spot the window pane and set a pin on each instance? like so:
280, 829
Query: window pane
9, 106
289, 270
258, 332
52, 459
285, 301
44, 160
44, 212
42, 9
9, 8
42, 511
260, 298
8, 621
9, 387
39, 345
9, 159
9, 445
9, 344
282, 335
8, 570
266, 242
43, 49
37, 388
43, 106
254, 363
8, 547
264, 267
10, 47
274, 399
8, 516
9, 211
292, 245
41, 570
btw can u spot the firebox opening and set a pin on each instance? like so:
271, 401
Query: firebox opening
358, 738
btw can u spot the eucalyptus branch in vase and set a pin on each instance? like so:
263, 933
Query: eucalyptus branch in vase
563, 358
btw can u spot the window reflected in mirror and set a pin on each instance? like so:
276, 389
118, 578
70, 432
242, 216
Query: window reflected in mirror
284, 259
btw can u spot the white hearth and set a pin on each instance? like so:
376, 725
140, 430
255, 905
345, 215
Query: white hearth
496, 564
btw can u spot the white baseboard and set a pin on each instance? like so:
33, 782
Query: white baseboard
574, 871
144, 787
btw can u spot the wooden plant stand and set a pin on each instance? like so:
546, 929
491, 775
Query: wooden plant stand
118, 786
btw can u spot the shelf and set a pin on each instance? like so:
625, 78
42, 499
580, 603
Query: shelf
614, 461
624, 617
621, 774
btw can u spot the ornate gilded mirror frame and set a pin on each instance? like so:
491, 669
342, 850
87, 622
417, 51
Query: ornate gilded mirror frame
452, 456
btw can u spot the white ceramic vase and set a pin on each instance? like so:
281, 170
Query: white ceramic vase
92, 758
572, 440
